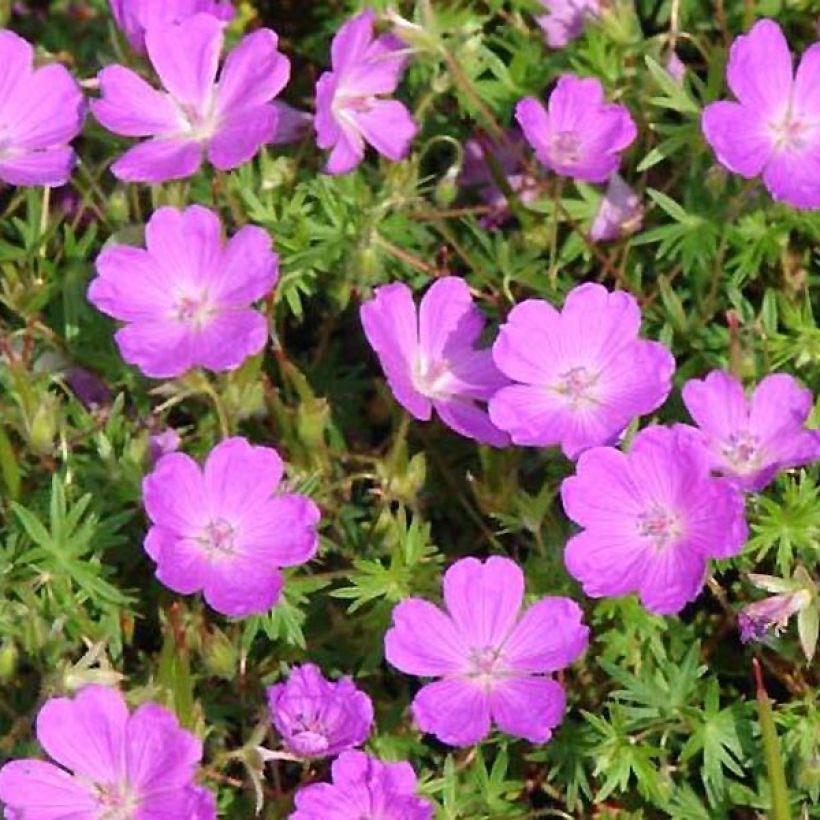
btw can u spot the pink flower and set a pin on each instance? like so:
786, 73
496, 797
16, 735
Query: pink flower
494, 660
675, 67
111, 764
565, 20
226, 529
430, 358
652, 519
619, 214
41, 111
319, 718
135, 17
582, 374
350, 106
292, 125
186, 297
363, 787
226, 119
772, 613
751, 440
577, 135
774, 128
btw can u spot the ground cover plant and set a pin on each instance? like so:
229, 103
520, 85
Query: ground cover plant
407, 410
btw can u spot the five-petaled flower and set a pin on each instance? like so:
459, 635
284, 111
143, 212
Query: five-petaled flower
186, 298
774, 128
494, 660
578, 134
351, 108
112, 765
582, 373
227, 118
652, 519
430, 358
226, 529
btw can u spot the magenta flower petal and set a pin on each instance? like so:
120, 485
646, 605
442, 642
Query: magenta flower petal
750, 441
619, 214
205, 318
41, 111
528, 707
565, 19
159, 160
240, 137
44, 791
317, 717
292, 125
350, 108
583, 373
652, 518
774, 129
490, 656
226, 529
429, 358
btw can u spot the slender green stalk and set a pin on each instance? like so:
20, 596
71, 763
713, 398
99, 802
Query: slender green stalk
771, 751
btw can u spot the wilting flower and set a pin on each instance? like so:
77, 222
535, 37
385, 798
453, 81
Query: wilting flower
41, 111
363, 787
316, 717
226, 119
565, 19
430, 358
757, 619
111, 764
509, 154
227, 529
292, 124
89, 388
351, 109
494, 660
773, 128
619, 214
582, 373
751, 440
652, 519
135, 17
186, 297
578, 134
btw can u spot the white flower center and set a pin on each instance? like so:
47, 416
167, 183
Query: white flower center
742, 450
432, 379
659, 525
485, 667
565, 147
791, 133
116, 802
218, 537
194, 309
576, 385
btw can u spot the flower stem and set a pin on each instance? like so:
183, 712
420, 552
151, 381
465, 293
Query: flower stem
771, 750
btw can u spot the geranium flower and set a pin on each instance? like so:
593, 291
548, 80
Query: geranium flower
582, 373
578, 134
430, 358
186, 298
351, 108
774, 128
565, 19
226, 118
111, 764
225, 530
619, 213
652, 519
494, 660
41, 111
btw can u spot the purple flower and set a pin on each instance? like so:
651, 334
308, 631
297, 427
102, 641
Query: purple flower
111, 764
41, 111
430, 358
160, 444
577, 135
494, 660
135, 17
774, 129
652, 519
510, 157
228, 119
750, 441
186, 297
755, 620
619, 214
350, 107
675, 67
318, 718
565, 20
225, 529
89, 388
292, 124
582, 373
363, 787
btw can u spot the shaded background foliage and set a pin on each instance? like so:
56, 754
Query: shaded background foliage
662, 719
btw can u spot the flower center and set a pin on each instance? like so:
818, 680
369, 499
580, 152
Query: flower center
742, 451
219, 537
565, 147
790, 133
198, 124
576, 386
431, 379
659, 525
485, 666
194, 309
116, 803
